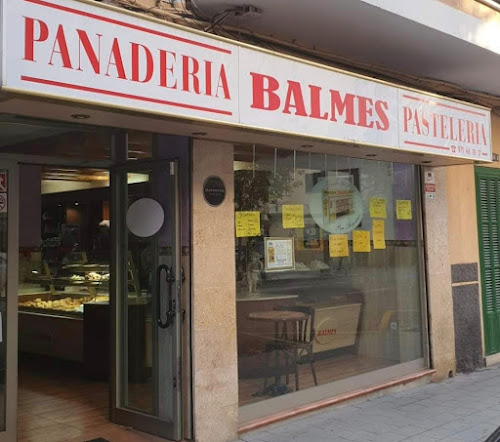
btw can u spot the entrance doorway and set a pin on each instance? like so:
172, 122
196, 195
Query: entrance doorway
98, 283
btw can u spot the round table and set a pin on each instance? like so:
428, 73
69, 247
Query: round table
277, 317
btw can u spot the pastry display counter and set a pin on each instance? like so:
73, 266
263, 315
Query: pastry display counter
52, 301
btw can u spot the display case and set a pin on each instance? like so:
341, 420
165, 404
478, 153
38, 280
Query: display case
62, 289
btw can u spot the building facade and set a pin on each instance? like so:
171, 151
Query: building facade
225, 235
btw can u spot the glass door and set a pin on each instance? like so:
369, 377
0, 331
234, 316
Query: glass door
147, 297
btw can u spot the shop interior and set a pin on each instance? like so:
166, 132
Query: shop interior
64, 275
315, 304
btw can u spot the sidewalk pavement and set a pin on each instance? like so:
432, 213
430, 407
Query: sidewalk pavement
465, 408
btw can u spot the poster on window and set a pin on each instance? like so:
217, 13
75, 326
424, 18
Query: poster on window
279, 254
336, 205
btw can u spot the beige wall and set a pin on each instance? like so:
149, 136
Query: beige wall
462, 222
215, 371
441, 323
461, 190
462, 214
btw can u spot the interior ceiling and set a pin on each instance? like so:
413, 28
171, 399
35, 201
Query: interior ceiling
368, 34
54, 173
70, 142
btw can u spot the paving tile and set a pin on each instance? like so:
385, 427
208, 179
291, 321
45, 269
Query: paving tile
461, 409
420, 438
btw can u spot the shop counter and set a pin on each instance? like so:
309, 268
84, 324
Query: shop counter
52, 335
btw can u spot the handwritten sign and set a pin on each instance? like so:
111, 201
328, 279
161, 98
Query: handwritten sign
378, 230
378, 208
361, 241
293, 216
403, 210
247, 224
338, 246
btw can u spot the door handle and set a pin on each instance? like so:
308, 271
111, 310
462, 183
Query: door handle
169, 279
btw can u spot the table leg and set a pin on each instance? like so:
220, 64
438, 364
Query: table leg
277, 378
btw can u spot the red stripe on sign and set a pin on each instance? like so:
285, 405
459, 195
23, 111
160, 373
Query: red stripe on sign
122, 95
434, 146
461, 109
128, 25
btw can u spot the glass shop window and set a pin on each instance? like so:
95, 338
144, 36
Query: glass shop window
327, 269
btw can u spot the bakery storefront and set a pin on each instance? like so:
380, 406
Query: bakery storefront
197, 231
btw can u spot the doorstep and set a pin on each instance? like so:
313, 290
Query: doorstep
314, 406
492, 360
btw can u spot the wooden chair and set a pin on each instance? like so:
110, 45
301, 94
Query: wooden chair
295, 341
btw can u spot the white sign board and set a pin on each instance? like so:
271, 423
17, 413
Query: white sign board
101, 55
279, 254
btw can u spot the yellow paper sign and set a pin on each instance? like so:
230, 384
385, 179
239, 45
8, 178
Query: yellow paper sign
247, 224
361, 241
293, 216
378, 229
403, 209
378, 208
338, 246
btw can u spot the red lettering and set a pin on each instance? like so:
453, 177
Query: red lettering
93, 57
328, 332
407, 117
365, 111
452, 137
315, 92
166, 70
135, 47
29, 36
115, 59
470, 132
434, 124
340, 106
461, 130
190, 68
444, 126
60, 41
222, 84
264, 95
483, 135
208, 78
380, 109
294, 99
425, 124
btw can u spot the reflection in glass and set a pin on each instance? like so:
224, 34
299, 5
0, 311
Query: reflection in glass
149, 243
346, 299
3, 296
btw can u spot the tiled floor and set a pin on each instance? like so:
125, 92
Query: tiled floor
56, 403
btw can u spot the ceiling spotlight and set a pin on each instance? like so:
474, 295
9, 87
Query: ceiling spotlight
80, 116
306, 146
76, 204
